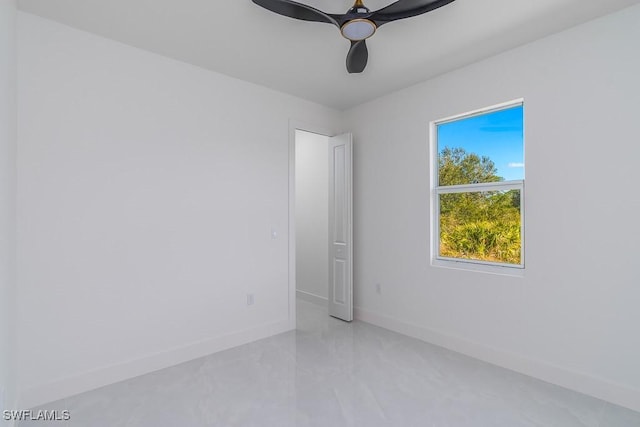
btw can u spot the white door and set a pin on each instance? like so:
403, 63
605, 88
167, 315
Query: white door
340, 228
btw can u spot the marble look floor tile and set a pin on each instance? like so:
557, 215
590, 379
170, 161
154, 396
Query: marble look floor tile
332, 373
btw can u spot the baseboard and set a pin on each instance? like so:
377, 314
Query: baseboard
600, 388
312, 298
61, 389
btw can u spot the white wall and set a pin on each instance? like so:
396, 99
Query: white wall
574, 318
7, 201
147, 192
312, 216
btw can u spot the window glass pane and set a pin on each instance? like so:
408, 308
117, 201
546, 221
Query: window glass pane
481, 226
483, 148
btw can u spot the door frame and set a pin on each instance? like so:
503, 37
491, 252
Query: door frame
312, 128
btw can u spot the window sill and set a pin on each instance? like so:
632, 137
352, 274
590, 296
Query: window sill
515, 271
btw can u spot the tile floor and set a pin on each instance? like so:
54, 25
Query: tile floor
331, 373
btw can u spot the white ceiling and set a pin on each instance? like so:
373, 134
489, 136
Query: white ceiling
306, 59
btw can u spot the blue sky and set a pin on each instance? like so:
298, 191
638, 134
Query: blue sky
498, 135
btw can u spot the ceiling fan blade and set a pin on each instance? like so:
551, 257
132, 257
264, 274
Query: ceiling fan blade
296, 10
406, 9
357, 57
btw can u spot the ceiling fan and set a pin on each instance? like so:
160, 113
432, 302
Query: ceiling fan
358, 24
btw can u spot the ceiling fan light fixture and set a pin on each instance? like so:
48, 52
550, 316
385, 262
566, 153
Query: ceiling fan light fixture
358, 29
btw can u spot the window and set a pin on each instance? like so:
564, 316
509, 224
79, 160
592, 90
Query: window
478, 188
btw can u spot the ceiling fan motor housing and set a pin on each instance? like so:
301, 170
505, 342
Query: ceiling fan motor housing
358, 28
358, 7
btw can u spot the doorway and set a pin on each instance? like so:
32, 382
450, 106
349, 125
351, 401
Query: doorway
312, 217
320, 222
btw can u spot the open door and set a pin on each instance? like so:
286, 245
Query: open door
340, 227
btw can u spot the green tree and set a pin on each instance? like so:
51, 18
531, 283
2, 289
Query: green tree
456, 166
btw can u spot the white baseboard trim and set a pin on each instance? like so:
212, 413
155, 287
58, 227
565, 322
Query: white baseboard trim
600, 388
47, 393
312, 298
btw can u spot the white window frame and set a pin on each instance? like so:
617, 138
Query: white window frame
437, 190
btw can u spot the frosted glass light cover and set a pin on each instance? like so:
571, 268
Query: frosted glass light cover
358, 29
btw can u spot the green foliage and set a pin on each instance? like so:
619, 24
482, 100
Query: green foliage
456, 166
477, 225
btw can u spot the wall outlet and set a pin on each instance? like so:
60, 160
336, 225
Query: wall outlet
378, 288
250, 299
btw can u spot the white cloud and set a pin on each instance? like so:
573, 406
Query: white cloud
516, 165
